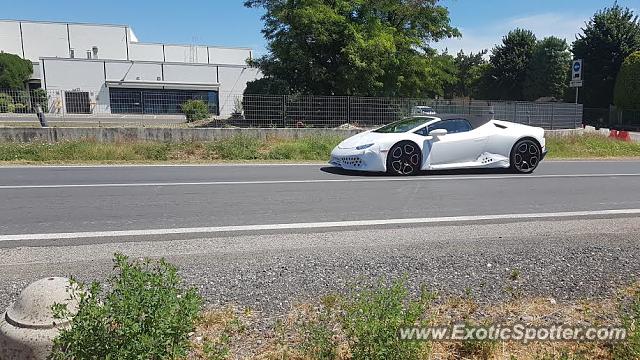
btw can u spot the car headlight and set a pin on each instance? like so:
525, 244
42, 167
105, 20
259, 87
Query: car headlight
362, 147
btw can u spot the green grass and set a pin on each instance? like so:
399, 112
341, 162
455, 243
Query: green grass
245, 148
237, 148
590, 146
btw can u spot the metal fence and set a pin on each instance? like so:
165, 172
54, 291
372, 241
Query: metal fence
612, 118
272, 110
334, 111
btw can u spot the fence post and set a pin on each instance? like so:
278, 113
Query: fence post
284, 111
553, 114
348, 109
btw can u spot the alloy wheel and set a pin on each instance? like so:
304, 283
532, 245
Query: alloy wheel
404, 159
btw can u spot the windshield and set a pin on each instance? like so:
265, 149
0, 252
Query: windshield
403, 125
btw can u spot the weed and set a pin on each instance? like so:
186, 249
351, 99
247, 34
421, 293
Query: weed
146, 313
372, 319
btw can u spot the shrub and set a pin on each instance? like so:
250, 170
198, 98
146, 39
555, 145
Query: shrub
14, 71
627, 89
195, 110
6, 103
145, 314
372, 319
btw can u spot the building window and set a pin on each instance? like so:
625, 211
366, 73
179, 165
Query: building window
77, 102
158, 101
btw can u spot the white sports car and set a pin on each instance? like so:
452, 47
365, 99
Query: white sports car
447, 142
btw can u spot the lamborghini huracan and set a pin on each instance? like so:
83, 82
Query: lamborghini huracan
416, 143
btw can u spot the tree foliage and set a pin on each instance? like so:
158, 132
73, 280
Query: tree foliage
14, 71
548, 69
627, 89
608, 38
356, 47
469, 70
509, 62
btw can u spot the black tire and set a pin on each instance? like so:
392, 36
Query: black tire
404, 158
525, 156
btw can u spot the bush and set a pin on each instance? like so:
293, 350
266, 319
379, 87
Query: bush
627, 89
372, 319
6, 103
145, 314
14, 71
195, 110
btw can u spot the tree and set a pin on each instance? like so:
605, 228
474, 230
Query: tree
508, 66
627, 88
469, 70
14, 71
355, 47
609, 37
548, 69
266, 86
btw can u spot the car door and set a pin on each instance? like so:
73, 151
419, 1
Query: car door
461, 143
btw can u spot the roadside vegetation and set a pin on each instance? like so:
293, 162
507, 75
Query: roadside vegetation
590, 146
245, 148
237, 148
146, 311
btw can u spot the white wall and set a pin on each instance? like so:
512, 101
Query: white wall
190, 73
110, 40
76, 75
228, 56
133, 71
145, 52
89, 75
45, 39
233, 81
185, 54
10, 37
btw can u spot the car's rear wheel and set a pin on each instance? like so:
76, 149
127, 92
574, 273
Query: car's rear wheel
404, 158
525, 156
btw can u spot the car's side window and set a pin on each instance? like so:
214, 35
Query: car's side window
452, 126
423, 131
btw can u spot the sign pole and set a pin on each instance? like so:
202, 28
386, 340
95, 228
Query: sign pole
577, 95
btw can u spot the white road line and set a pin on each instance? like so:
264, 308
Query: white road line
313, 225
257, 164
316, 181
99, 166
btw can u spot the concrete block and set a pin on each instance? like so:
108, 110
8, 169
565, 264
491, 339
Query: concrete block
27, 328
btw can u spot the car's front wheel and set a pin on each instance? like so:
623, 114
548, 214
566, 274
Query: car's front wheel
525, 156
404, 158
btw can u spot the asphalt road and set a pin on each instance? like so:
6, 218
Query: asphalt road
88, 199
268, 235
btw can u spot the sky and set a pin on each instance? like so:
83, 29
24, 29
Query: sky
228, 23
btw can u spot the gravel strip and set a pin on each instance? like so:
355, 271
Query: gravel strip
564, 260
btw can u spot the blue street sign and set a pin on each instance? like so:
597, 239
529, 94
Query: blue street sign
576, 66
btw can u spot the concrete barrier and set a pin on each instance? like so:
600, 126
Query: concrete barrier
28, 327
119, 134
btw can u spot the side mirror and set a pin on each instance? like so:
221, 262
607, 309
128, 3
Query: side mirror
438, 132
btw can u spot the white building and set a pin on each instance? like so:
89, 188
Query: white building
94, 68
